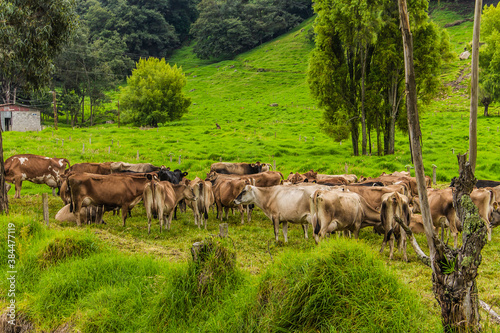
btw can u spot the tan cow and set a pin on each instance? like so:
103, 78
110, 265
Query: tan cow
339, 211
281, 204
90, 214
36, 169
116, 190
161, 197
205, 198
138, 167
394, 205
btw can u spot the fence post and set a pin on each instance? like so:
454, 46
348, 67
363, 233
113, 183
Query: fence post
179, 159
45, 201
137, 155
408, 168
109, 149
434, 174
83, 149
62, 143
346, 168
299, 137
223, 230
170, 154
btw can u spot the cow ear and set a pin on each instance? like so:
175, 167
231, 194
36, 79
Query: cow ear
306, 180
495, 205
148, 176
184, 174
253, 165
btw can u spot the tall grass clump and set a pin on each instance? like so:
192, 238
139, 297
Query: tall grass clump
341, 287
195, 293
67, 246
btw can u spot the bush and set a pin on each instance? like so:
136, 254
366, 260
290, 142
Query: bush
153, 94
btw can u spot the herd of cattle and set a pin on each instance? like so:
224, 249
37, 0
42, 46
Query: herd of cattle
328, 203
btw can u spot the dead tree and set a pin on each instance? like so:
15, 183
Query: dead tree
454, 271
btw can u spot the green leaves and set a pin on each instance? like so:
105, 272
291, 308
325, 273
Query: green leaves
154, 93
32, 33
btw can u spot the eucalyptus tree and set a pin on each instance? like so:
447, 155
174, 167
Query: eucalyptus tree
346, 33
337, 78
489, 57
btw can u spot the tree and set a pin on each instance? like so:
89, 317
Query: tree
31, 35
489, 57
154, 94
454, 271
357, 65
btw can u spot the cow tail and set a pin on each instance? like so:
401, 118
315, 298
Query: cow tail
205, 214
314, 212
383, 220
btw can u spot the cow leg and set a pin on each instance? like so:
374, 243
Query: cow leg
18, 183
242, 213
54, 192
285, 231
391, 247
304, 226
276, 224
124, 214
402, 244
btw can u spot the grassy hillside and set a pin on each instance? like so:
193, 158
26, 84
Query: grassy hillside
109, 278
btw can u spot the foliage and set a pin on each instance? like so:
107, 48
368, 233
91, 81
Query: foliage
227, 28
152, 28
489, 58
31, 34
154, 93
345, 46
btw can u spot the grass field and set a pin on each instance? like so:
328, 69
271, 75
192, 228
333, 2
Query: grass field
110, 278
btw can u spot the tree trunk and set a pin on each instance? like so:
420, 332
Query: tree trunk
474, 86
91, 112
83, 109
486, 105
453, 271
4, 199
355, 138
363, 113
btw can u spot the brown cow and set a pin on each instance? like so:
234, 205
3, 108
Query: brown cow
338, 211
225, 192
394, 205
442, 210
115, 190
373, 194
97, 168
161, 197
239, 168
36, 169
205, 198
90, 214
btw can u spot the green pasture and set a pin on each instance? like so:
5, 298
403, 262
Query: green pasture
110, 278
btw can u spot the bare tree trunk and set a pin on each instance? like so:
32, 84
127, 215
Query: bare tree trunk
4, 199
453, 271
83, 109
363, 113
474, 86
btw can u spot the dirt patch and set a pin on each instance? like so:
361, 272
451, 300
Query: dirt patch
19, 324
464, 73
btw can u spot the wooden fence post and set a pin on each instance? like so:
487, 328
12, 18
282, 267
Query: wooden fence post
434, 174
83, 149
137, 155
346, 168
223, 230
62, 143
109, 149
179, 159
45, 201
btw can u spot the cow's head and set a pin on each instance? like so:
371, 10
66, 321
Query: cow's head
212, 177
495, 215
246, 196
257, 167
188, 193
